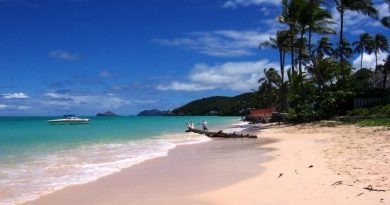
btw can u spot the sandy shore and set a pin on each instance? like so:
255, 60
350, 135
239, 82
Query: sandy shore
313, 164
306, 164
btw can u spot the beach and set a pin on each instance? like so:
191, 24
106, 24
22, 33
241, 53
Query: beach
301, 164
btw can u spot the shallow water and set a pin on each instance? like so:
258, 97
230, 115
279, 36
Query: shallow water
37, 158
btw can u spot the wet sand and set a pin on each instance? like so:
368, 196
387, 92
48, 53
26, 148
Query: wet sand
187, 171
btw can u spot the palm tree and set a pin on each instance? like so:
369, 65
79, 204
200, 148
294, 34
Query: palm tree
323, 47
386, 70
319, 22
364, 44
269, 85
380, 44
364, 7
345, 50
312, 18
280, 42
289, 16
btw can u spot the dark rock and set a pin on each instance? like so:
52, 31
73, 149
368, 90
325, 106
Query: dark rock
107, 114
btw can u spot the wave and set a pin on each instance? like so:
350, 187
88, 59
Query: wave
48, 172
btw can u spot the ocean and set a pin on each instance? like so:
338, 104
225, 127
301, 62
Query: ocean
37, 158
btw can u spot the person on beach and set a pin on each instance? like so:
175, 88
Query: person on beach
204, 125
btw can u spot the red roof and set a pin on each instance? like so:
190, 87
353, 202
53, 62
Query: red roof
262, 112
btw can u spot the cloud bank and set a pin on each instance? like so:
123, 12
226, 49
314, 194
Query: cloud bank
19, 95
236, 76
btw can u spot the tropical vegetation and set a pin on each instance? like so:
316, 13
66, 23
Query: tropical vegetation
320, 80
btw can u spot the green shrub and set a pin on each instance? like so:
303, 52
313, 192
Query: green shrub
375, 122
359, 112
381, 110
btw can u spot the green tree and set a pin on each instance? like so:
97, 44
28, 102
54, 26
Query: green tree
386, 70
380, 44
290, 15
281, 43
364, 44
364, 7
386, 19
320, 21
323, 47
269, 85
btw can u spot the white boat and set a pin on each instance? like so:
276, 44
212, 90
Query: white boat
70, 120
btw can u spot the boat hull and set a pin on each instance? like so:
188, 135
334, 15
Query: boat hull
68, 122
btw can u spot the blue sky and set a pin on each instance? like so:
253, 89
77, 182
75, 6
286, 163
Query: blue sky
88, 56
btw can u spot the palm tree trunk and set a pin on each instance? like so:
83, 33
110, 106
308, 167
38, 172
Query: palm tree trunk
292, 46
384, 79
300, 59
284, 102
311, 32
281, 64
361, 61
310, 47
376, 60
341, 46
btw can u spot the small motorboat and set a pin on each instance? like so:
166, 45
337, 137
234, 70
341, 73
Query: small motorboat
70, 120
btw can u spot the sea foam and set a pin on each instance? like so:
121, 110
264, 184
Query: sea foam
48, 172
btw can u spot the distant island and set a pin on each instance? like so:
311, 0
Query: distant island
218, 105
154, 112
107, 114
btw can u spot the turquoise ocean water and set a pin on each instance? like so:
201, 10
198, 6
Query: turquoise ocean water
37, 158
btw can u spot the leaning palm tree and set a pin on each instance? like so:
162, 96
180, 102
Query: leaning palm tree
312, 18
320, 21
364, 7
380, 44
279, 42
364, 44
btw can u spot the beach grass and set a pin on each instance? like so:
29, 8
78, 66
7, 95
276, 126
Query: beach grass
374, 122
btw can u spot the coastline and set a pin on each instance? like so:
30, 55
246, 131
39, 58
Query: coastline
301, 164
188, 170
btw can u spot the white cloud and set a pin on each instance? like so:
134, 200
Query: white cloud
222, 43
237, 76
178, 86
2, 106
64, 55
22, 107
369, 60
237, 3
104, 101
14, 107
105, 74
15, 96
356, 23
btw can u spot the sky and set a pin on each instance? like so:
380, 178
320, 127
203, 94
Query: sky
87, 56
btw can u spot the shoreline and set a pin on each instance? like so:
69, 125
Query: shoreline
177, 144
305, 164
164, 178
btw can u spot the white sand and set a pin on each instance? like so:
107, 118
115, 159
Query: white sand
309, 164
